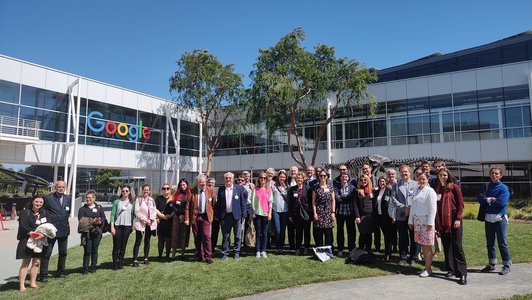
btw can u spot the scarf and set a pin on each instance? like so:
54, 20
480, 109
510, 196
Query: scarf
444, 220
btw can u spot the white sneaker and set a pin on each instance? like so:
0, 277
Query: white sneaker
425, 273
258, 255
264, 254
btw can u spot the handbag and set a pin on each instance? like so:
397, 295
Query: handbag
249, 237
303, 212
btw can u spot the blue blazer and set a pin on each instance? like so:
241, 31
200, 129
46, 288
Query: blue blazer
238, 203
58, 214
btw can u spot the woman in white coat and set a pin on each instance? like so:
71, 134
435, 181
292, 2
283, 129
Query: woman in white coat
422, 218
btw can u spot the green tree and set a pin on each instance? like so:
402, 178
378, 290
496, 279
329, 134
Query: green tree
103, 175
291, 84
215, 91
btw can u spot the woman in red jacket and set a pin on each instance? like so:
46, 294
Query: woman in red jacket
449, 224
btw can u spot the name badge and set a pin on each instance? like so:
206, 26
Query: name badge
326, 190
296, 194
171, 205
386, 198
438, 197
150, 205
236, 197
38, 222
210, 199
67, 208
43, 220
94, 210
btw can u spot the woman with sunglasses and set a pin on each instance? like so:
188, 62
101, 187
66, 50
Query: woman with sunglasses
180, 233
166, 207
364, 211
122, 215
261, 204
323, 207
144, 223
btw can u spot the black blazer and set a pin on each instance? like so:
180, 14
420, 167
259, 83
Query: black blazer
58, 214
384, 203
293, 203
27, 223
359, 203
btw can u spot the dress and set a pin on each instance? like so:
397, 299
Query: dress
166, 207
28, 222
180, 233
324, 207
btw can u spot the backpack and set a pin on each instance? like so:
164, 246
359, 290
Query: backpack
360, 257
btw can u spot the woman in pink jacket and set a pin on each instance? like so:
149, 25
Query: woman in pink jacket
144, 223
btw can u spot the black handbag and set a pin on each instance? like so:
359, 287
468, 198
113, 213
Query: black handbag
303, 212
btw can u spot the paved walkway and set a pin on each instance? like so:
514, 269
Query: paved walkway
9, 266
480, 286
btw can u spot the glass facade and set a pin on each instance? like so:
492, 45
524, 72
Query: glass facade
498, 55
466, 116
124, 131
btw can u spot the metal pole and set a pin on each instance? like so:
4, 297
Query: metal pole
200, 157
329, 150
161, 157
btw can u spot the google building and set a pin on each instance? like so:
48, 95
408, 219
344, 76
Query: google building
471, 105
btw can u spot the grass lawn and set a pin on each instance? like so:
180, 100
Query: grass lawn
192, 280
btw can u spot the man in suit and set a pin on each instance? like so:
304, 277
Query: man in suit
57, 206
200, 214
230, 211
337, 182
399, 210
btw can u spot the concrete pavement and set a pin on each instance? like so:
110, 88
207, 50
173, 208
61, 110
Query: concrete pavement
480, 286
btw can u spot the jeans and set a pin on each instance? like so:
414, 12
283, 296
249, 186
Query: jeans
227, 224
120, 243
498, 229
261, 233
90, 251
279, 221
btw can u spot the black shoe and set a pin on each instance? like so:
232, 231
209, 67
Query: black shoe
135, 263
60, 275
209, 261
43, 278
488, 268
462, 280
85, 271
449, 274
146, 261
92, 270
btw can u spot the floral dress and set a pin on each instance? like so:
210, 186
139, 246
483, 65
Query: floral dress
324, 207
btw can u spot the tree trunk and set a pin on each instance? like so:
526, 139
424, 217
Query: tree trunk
210, 155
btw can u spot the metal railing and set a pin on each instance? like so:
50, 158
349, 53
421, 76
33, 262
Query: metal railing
20, 127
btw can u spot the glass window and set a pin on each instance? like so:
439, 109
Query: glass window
9, 91
418, 104
379, 128
490, 57
189, 127
398, 126
446, 65
513, 117
514, 52
56, 101
351, 131
337, 132
415, 125
468, 61
366, 130
516, 93
465, 99
447, 122
468, 120
397, 106
489, 119
9, 110
31, 96
426, 69
490, 95
434, 123
441, 101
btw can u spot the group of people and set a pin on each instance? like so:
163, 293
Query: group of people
411, 213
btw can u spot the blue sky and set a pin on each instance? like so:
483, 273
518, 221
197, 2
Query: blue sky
134, 44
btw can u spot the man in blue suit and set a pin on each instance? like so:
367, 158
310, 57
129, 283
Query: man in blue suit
58, 206
231, 210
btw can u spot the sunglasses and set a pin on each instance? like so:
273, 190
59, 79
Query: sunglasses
165, 188
262, 177
323, 175
343, 169
125, 191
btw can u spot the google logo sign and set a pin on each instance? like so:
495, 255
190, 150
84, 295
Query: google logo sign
133, 132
